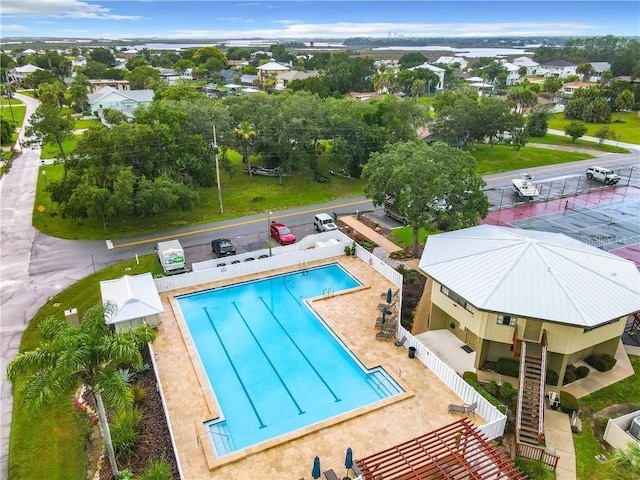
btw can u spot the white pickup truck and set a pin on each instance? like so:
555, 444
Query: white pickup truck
604, 175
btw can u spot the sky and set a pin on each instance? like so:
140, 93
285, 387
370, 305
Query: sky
329, 19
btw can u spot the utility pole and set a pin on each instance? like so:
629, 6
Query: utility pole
215, 153
10, 96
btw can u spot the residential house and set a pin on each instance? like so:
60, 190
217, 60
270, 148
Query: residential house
19, 73
248, 80
125, 101
437, 70
269, 68
98, 84
78, 62
568, 89
598, 69
497, 287
362, 95
171, 77
452, 61
131, 301
530, 64
285, 77
128, 53
513, 77
556, 68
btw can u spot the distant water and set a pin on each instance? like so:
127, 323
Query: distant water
228, 43
464, 52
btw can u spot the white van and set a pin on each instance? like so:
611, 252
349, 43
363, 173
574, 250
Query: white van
323, 222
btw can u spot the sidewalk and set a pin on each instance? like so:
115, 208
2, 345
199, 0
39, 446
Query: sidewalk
387, 246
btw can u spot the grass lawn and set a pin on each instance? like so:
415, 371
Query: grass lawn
403, 236
18, 115
586, 444
550, 139
4, 101
50, 444
240, 196
28, 93
81, 123
628, 130
51, 150
504, 158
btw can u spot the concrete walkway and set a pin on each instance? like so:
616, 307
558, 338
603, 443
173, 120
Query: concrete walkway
557, 433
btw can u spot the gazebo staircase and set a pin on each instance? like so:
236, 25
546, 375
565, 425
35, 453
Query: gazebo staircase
531, 398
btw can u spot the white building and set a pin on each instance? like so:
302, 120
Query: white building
437, 70
451, 61
271, 67
598, 69
131, 301
18, 74
557, 69
126, 101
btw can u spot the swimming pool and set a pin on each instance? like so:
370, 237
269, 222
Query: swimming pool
274, 366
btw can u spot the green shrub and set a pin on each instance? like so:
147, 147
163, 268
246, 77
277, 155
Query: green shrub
125, 432
602, 363
470, 376
534, 469
509, 367
551, 377
583, 371
492, 388
480, 389
139, 394
157, 470
570, 375
568, 403
508, 392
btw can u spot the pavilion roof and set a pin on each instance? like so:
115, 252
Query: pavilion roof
456, 451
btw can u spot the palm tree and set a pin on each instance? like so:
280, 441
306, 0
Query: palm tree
417, 88
51, 92
77, 91
627, 460
89, 355
245, 133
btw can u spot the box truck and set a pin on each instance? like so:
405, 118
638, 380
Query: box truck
171, 256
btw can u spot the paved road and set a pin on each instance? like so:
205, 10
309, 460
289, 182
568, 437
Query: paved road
34, 267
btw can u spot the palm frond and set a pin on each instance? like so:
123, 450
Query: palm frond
113, 388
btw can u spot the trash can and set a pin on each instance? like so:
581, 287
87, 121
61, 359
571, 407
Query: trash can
412, 352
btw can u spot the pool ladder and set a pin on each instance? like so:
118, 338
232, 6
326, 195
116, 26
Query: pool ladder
328, 292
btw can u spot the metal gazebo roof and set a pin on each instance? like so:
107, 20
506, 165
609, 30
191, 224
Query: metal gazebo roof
454, 452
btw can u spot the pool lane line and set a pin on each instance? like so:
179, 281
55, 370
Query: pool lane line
300, 350
262, 425
300, 411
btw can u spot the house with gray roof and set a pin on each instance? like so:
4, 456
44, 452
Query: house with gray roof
496, 288
598, 69
437, 70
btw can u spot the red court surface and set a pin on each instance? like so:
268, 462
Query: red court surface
608, 218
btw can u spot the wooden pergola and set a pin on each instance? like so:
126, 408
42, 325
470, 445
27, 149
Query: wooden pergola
458, 451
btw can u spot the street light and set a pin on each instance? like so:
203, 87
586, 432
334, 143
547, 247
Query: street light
269, 230
215, 153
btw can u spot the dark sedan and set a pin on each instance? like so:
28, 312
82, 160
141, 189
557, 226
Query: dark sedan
223, 247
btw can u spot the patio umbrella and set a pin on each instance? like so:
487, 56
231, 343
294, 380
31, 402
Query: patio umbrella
348, 460
315, 472
384, 318
389, 296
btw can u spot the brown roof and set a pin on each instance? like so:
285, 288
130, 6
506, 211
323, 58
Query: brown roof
456, 451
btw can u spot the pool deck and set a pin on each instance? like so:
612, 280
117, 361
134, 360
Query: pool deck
351, 316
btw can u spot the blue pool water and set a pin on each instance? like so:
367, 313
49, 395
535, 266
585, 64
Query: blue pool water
274, 366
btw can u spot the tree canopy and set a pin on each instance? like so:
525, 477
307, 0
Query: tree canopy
427, 184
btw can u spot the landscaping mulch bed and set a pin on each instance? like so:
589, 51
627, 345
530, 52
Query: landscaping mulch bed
155, 442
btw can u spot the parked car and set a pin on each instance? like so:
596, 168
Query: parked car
322, 222
281, 233
604, 175
223, 247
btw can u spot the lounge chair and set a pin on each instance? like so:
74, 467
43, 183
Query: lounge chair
388, 306
330, 475
386, 335
394, 295
465, 409
389, 321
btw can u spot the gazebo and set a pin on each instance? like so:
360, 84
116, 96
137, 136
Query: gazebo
456, 451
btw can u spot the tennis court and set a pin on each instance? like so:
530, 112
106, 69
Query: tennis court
607, 219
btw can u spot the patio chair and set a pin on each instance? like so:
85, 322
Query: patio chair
465, 409
389, 321
330, 475
382, 306
394, 295
386, 335
399, 343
